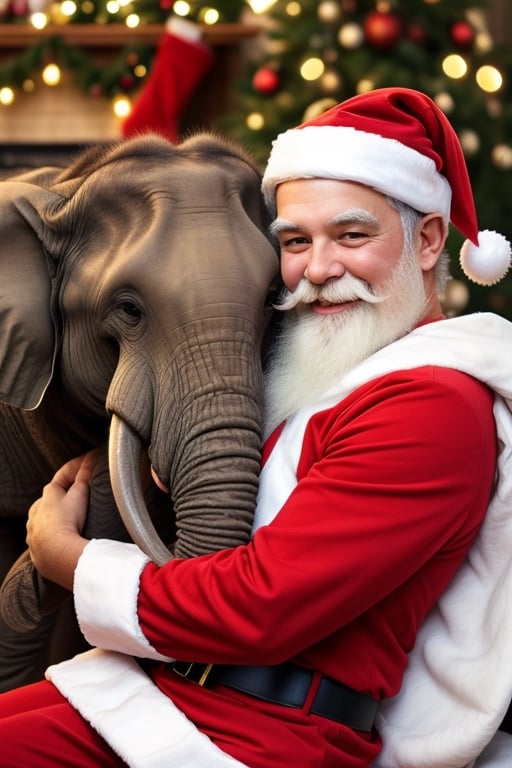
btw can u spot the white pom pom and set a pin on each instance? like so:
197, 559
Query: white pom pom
488, 262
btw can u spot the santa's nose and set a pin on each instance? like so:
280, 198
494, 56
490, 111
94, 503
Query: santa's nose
323, 265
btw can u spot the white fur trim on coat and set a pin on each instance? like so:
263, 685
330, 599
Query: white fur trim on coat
140, 723
106, 586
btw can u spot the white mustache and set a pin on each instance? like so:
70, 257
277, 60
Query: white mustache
343, 289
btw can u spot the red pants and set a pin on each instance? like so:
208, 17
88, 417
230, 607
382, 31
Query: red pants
40, 729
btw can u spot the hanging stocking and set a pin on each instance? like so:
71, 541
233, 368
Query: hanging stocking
180, 63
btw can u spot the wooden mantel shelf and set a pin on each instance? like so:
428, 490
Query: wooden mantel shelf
16, 36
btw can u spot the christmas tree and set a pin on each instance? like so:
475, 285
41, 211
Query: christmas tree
317, 54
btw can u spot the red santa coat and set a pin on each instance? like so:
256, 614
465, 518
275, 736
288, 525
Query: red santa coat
376, 521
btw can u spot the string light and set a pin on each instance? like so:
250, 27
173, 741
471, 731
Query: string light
454, 66
68, 8
209, 16
312, 69
350, 35
51, 75
181, 8
293, 8
261, 6
365, 85
121, 106
489, 78
39, 20
6, 96
255, 121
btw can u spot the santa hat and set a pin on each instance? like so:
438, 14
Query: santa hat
397, 141
180, 63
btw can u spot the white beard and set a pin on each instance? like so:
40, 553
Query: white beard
313, 351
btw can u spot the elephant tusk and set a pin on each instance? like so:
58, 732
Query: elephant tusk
124, 456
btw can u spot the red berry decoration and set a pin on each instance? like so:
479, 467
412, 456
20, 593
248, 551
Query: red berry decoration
462, 34
382, 30
96, 91
266, 80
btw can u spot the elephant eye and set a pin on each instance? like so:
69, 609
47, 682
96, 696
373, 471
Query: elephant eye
131, 309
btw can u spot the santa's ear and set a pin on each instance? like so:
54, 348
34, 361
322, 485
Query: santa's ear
433, 232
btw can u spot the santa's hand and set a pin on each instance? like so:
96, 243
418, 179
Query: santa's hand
56, 520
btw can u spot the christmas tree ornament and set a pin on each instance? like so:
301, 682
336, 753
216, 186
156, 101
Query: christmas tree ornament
126, 81
180, 64
462, 34
382, 30
416, 33
266, 81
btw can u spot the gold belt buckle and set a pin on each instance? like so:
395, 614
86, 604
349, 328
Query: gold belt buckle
202, 679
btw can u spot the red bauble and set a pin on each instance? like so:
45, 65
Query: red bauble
382, 30
126, 82
416, 33
462, 34
266, 80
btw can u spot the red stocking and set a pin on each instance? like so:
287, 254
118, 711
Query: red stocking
180, 63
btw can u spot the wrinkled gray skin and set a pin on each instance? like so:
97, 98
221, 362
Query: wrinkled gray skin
132, 285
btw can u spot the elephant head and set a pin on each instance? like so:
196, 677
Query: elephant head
135, 285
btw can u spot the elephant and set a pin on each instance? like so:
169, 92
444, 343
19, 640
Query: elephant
134, 304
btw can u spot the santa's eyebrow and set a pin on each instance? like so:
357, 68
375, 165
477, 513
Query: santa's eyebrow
355, 216
352, 216
281, 225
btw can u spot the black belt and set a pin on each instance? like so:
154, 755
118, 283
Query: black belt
289, 685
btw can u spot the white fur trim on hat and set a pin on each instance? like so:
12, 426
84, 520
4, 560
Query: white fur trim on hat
345, 153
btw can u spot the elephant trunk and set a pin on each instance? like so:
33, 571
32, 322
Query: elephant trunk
215, 480
204, 438
213, 483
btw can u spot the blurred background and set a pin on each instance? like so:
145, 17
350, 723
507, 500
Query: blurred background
80, 72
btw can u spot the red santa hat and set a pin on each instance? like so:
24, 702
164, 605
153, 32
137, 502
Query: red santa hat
397, 141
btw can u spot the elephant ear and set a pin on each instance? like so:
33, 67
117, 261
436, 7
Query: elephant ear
27, 333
